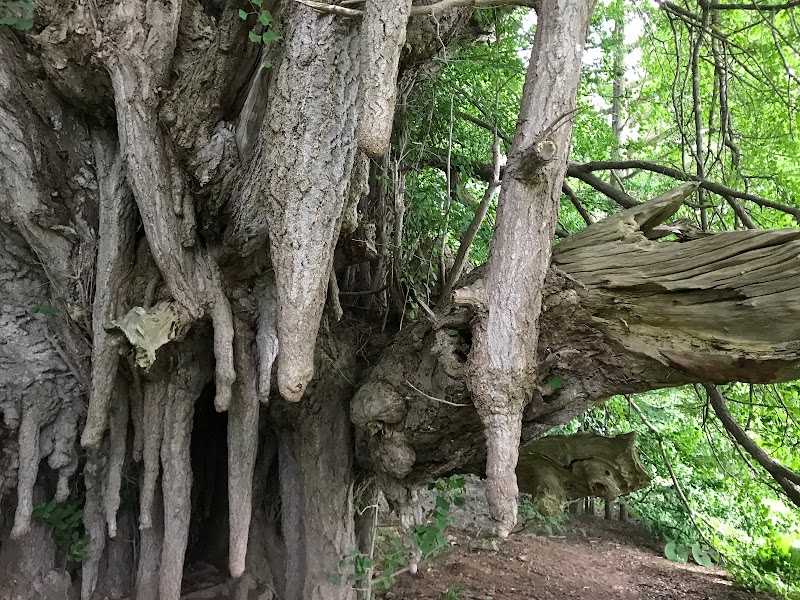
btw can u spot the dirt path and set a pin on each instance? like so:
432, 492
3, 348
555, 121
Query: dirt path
592, 559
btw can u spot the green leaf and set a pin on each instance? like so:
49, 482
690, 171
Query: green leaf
442, 503
243, 14
267, 64
265, 17
254, 37
556, 383
257, 2
676, 552
271, 36
700, 556
45, 310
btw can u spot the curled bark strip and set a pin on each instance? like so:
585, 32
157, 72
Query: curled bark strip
118, 434
383, 33
149, 329
242, 448
114, 257
266, 342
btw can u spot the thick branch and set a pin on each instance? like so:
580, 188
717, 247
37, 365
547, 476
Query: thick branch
605, 188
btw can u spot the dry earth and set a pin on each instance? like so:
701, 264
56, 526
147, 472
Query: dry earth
592, 559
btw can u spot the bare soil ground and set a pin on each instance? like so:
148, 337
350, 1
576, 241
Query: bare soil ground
591, 559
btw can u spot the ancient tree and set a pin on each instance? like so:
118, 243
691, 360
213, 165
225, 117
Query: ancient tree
180, 227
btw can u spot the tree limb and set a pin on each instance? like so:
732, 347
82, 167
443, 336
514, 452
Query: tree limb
576, 170
751, 6
576, 202
605, 188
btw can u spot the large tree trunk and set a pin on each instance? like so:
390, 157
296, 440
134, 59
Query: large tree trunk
174, 220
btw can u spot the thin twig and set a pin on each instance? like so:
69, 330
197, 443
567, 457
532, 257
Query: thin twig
429, 397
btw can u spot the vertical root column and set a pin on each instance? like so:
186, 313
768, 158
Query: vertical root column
242, 448
114, 259
118, 445
383, 34
153, 424
177, 486
298, 185
29, 456
502, 452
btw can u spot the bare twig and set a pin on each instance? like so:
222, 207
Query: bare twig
429, 397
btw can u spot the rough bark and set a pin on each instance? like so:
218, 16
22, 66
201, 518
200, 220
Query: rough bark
503, 361
248, 187
383, 34
296, 181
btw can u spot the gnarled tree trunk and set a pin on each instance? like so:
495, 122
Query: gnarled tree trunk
174, 224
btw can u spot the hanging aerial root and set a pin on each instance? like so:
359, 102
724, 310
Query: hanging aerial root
266, 341
242, 448
383, 34
114, 256
93, 522
153, 423
118, 433
222, 320
297, 191
29, 456
176, 481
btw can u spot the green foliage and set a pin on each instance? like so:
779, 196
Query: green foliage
532, 517
451, 593
393, 552
734, 504
17, 14
66, 519
263, 31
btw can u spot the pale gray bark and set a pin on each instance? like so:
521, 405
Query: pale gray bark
503, 361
